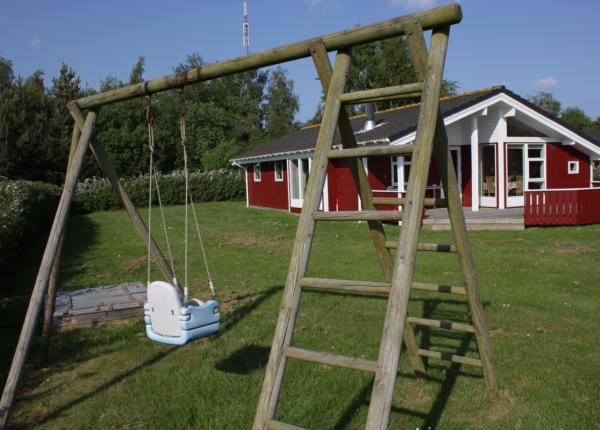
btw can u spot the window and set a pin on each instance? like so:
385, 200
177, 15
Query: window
573, 167
395, 173
278, 171
406, 171
299, 170
257, 172
536, 174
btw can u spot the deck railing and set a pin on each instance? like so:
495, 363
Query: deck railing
562, 207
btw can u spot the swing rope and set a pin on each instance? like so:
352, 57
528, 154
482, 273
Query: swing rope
190, 200
154, 176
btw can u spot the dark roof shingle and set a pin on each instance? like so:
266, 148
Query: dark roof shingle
392, 124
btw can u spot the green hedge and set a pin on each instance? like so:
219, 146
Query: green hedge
96, 194
26, 211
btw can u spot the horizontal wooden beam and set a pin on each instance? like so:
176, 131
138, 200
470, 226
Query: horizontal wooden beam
371, 287
344, 285
331, 359
449, 357
371, 151
433, 18
382, 94
431, 247
358, 216
278, 425
397, 201
446, 325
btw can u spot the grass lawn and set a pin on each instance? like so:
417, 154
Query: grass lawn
540, 287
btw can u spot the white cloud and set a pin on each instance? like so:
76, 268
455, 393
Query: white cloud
545, 82
413, 4
36, 41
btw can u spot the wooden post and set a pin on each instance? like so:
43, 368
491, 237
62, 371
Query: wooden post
52, 284
361, 180
113, 178
389, 352
301, 250
41, 283
447, 173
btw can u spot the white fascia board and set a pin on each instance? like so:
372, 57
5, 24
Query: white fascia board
482, 106
274, 157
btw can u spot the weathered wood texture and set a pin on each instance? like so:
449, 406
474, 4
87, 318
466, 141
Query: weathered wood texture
382, 94
371, 287
389, 353
447, 174
395, 201
366, 215
332, 359
53, 281
301, 250
371, 151
429, 19
41, 283
361, 180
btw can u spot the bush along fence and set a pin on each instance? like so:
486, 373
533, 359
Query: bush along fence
26, 211
96, 194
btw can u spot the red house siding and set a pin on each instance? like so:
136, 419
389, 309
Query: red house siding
380, 170
558, 157
267, 193
343, 195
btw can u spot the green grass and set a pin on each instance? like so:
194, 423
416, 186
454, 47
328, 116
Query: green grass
540, 289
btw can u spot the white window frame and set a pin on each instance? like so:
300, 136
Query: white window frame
541, 180
394, 165
257, 169
280, 164
298, 179
575, 164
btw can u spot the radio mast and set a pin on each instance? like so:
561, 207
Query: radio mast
246, 29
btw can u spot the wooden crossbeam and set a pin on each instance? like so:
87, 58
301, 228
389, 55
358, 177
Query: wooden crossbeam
367, 215
331, 359
371, 151
398, 201
383, 94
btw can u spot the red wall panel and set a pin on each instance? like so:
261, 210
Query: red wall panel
557, 159
465, 164
343, 195
380, 171
267, 193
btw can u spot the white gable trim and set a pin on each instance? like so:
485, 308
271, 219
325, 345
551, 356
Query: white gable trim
514, 104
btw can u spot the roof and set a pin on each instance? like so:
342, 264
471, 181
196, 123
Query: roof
393, 124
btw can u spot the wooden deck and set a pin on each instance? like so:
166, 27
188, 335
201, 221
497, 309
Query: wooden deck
100, 305
483, 219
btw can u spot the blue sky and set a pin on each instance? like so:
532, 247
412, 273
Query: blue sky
526, 45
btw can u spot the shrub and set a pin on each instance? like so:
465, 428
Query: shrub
26, 211
96, 194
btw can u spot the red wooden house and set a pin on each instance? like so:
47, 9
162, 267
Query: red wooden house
507, 151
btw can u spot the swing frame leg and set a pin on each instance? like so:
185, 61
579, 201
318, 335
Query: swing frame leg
41, 283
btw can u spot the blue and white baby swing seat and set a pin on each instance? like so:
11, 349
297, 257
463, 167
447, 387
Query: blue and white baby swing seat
168, 320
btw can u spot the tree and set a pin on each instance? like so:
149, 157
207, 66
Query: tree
137, 73
577, 118
6, 73
546, 101
281, 104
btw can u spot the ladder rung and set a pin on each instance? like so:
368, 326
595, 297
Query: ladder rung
397, 201
371, 287
373, 215
382, 94
446, 325
278, 425
438, 288
371, 151
331, 359
343, 285
449, 357
432, 247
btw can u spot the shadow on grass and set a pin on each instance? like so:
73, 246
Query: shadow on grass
432, 417
245, 360
235, 362
18, 282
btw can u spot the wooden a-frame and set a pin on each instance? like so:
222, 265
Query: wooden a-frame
85, 111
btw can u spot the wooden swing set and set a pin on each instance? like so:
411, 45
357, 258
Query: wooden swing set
431, 140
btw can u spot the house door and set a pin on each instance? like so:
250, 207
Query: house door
299, 169
515, 172
488, 189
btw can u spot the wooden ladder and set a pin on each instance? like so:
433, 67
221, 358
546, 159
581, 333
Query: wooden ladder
398, 273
